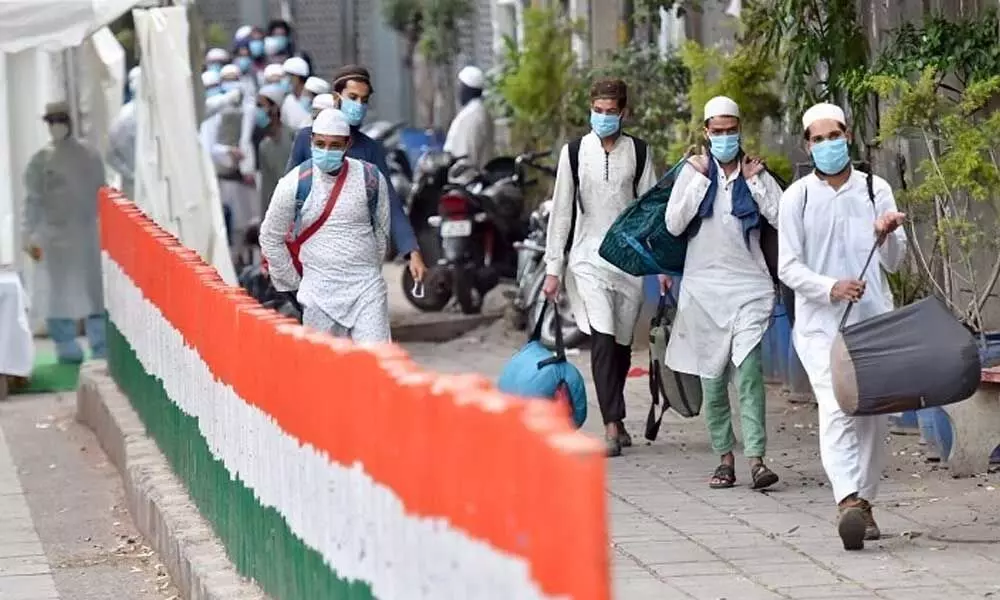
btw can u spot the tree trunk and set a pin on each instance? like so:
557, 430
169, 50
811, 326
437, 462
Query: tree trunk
423, 90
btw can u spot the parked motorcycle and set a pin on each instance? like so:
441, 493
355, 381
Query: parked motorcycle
478, 222
527, 300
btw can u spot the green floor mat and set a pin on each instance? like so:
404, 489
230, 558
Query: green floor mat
48, 375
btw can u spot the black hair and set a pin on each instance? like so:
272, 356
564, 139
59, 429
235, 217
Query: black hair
276, 23
805, 134
610, 88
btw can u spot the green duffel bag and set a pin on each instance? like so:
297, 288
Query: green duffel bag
679, 391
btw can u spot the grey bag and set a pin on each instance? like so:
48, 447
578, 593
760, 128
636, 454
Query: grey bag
911, 358
679, 391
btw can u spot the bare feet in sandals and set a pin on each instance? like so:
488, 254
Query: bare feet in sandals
724, 475
761, 476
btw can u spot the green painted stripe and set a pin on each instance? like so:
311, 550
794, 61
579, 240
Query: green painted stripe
257, 539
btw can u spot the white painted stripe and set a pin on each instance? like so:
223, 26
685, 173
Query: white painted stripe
358, 525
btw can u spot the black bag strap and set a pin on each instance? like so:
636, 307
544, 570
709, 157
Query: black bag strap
560, 351
573, 149
641, 149
864, 269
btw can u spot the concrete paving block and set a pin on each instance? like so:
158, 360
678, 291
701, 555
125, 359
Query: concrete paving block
729, 587
28, 587
32, 564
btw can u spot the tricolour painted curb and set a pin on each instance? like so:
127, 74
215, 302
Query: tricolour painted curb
330, 470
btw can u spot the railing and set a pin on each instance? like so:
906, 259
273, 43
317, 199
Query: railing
329, 470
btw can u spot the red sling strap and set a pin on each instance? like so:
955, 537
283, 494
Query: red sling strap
294, 244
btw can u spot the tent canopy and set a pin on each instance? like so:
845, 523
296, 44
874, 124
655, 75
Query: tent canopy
53, 25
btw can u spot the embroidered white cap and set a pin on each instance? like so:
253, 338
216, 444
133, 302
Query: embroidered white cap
133, 74
230, 71
721, 106
317, 85
273, 92
273, 72
216, 55
243, 33
296, 65
210, 78
331, 122
821, 111
323, 102
472, 77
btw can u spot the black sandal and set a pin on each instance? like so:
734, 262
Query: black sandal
762, 476
723, 477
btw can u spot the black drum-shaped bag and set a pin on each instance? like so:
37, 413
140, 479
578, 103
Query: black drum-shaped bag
911, 358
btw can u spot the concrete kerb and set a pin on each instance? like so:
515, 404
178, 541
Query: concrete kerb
157, 500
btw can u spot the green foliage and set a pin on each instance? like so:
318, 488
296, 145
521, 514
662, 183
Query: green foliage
536, 83
428, 25
216, 36
807, 37
959, 194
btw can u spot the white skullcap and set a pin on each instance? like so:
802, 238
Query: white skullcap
230, 71
133, 74
317, 85
243, 33
273, 72
721, 106
273, 92
209, 78
821, 111
472, 77
323, 101
216, 55
331, 122
296, 65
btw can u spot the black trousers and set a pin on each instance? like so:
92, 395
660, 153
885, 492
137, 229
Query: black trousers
610, 363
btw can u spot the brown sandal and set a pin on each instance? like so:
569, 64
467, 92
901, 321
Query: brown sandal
762, 476
723, 477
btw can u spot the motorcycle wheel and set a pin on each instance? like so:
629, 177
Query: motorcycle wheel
572, 336
437, 289
466, 292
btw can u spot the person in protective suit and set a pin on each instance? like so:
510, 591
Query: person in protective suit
471, 132
60, 231
121, 139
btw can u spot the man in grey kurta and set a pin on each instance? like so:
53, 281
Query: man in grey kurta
60, 231
340, 287
276, 145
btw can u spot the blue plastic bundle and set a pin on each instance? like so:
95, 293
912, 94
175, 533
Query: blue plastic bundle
537, 372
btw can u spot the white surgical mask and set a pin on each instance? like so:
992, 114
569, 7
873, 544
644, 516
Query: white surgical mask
59, 131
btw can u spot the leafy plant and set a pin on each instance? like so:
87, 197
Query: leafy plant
956, 202
537, 83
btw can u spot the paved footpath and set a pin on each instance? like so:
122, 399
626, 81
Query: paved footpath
675, 538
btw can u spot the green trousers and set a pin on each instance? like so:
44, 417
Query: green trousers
718, 414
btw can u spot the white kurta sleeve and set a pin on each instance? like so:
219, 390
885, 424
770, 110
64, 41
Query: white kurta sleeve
248, 165
792, 267
767, 194
648, 179
685, 198
893, 249
208, 133
277, 222
34, 187
382, 216
560, 219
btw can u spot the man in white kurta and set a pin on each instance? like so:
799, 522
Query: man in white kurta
829, 222
727, 295
341, 287
471, 131
605, 299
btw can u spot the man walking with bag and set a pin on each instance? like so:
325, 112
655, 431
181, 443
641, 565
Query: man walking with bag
727, 296
598, 177
830, 220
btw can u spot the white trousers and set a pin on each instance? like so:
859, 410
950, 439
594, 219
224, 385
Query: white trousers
852, 448
370, 328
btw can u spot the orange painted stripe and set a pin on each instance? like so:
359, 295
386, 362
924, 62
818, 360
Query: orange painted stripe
507, 471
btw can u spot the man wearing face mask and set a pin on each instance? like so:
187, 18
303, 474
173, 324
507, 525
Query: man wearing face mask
60, 229
215, 59
598, 177
121, 139
276, 143
341, 232
727, 295
352, 85
471, 132
294, 113
314, 87
830, 220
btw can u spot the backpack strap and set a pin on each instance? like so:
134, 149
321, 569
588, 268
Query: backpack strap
573, 149
371, 189
302, 191
641, 149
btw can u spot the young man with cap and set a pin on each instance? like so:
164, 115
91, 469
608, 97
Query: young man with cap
314, 87
293, 112
598, 177
60, 230
345, 221
471, 132
272, 73
727, 295
830, 220
276, 143
352, 84
215, 59
121, 138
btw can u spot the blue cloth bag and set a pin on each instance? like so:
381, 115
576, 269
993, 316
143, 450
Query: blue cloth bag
537, 372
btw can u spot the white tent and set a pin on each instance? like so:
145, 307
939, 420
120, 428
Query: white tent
52, 25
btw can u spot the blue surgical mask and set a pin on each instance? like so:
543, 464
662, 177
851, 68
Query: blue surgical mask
354, 111
256, 48
286, 83
243, 62
830, 157
306, 102
262, 118
725, 147
217, 67
226, 86
282, 42
327, 160
213, 91
604, 125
